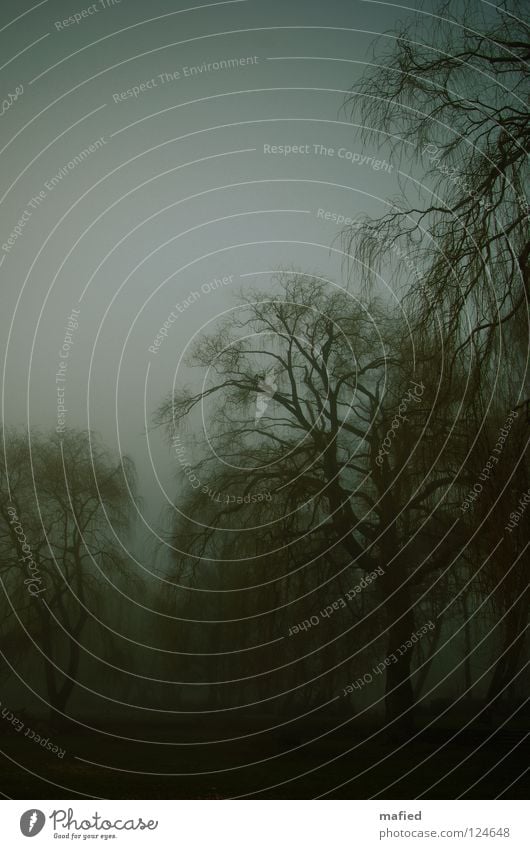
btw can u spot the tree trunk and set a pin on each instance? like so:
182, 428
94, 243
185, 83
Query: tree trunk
508, 661
396, 595
423, 673
59, 692
467, 647
399, 695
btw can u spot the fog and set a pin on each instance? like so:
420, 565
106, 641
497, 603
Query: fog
219, 291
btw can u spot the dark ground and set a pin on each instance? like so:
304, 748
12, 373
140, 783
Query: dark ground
275, 764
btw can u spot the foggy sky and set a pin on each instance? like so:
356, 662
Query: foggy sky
178, 192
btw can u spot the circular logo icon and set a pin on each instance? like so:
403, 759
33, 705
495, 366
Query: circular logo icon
31, 822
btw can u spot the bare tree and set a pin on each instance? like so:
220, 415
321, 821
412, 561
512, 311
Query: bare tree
346, 444
63, 500
456, 109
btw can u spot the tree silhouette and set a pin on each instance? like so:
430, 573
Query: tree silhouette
347, 444
62, 501
458, 112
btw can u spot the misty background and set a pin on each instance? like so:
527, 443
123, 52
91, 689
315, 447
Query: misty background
147, 199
